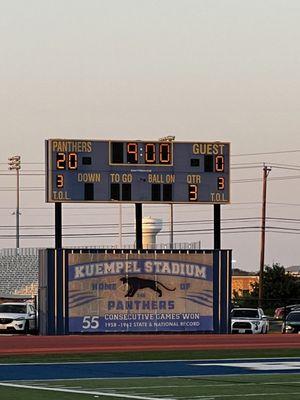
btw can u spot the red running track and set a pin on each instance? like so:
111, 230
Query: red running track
107, 343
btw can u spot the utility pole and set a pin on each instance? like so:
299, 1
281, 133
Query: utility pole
266, 171
14, 163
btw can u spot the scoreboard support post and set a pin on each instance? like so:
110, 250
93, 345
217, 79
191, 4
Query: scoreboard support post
58, 225
217, 226
138, 226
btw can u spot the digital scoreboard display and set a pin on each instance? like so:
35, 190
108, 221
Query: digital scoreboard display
137, 171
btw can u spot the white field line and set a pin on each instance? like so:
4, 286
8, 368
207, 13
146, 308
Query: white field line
203, 398
252, 374
215, 396
96, 393
206, 360
127, 396
206, 385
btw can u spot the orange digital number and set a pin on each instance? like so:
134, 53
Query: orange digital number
132, 152
193, 192
219, 164
164, 153
150, 153
221, 183
72, 161
61, 160
60, 181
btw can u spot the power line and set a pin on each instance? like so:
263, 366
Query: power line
265, 153
130, 224
239, 230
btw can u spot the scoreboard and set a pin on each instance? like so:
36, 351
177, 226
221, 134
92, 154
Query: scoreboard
137, 171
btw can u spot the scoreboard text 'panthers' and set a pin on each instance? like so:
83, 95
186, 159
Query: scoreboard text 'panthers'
137, 171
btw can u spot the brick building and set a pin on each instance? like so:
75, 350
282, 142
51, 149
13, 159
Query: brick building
242, 284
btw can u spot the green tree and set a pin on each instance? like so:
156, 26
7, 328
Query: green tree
279, 289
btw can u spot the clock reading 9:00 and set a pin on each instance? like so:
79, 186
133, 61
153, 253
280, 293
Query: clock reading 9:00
141, 153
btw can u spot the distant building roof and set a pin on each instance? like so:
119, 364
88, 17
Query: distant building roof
15, 296
240, 272
293, 268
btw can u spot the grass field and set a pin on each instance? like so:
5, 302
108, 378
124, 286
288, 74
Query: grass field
152, 355
269, 386
206, 388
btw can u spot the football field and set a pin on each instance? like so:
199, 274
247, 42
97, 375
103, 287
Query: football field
206, 388
256, 378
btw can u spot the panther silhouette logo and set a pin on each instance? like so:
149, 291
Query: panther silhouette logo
134, 284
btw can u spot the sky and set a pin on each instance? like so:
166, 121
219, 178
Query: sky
201, 70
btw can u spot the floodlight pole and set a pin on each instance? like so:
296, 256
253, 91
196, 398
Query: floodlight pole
18, 211
14, 163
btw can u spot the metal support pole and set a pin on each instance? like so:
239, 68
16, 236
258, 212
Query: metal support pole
58, 226
120, 226
217, 226
138, 226
170, 138
18, 211
171, 227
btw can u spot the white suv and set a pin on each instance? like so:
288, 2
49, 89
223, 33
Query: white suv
249, 320
17, 317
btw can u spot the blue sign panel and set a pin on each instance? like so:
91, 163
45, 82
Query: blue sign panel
137, 171
140, 292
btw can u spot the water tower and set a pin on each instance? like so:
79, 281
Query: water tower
151, 227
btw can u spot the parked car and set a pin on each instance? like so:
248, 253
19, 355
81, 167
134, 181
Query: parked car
17, 317
282, 312
249, 320
292, 323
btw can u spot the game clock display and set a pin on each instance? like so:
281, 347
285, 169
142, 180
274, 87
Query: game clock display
137, 171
